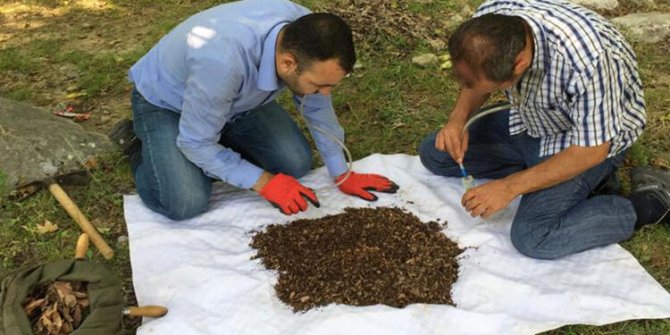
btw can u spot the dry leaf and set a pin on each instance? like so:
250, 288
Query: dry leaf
75, 95
32, 305
56, 308
444, 58
91, 163
446, 65
47, 227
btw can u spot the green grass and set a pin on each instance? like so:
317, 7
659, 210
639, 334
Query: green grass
387, 106
639, 154
17, 59
3, 183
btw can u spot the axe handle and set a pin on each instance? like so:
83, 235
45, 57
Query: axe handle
146, 311
76, 214
82, 247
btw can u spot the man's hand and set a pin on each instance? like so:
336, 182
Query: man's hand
359, 184
487, 199
287, 194
453, 140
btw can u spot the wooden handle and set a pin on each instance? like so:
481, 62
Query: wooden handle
147, 311
76, 214
82, 247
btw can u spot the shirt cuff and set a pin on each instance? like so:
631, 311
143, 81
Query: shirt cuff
336, 164
245, 175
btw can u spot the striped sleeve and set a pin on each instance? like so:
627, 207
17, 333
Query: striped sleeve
595, 99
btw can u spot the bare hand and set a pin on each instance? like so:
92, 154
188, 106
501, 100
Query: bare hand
453, 140
487, 199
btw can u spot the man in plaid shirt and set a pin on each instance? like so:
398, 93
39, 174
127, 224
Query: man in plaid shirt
577, 107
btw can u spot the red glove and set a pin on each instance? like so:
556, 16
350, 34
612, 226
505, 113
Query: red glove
287, 194
359, 184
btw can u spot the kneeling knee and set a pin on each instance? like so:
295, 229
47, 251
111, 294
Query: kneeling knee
178, 206
298, 164
531, 249
189, 208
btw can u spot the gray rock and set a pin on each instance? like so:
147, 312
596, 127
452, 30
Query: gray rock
34, 144
425, 59
645, 27
598, 4
645, 3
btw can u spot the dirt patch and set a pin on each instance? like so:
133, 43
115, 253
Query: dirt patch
64, 49
362, 257
375, 22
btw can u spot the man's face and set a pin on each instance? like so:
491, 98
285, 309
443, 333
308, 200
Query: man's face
478, 83
319, 77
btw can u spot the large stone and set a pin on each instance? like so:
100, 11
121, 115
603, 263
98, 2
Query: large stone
645, 27
644, 3
34, 144
598, 4
425, 59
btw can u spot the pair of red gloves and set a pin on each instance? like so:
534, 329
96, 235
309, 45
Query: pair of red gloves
287, 194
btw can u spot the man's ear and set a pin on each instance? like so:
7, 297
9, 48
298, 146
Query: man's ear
287, 62
521, 63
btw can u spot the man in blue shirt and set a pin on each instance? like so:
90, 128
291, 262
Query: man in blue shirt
204, 107
577, 106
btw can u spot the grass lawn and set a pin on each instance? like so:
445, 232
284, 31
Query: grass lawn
79, 51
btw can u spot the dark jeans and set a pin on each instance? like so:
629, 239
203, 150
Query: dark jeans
550, 223
171, 185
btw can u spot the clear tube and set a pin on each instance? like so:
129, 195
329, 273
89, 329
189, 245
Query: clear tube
467, 180
344, 147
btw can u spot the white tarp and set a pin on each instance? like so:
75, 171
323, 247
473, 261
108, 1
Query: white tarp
201, 270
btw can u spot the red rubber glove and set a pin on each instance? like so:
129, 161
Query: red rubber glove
287, 194
359, 184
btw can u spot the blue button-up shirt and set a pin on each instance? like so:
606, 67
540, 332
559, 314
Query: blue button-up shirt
221, 62
582, 87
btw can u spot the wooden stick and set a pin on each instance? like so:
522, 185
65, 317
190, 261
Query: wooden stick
82, 247
76, 214
148, 311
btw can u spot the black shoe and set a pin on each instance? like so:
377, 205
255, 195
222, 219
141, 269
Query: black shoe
610, 185
123, 135
655, 185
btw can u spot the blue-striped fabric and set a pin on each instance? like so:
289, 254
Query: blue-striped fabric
582, 88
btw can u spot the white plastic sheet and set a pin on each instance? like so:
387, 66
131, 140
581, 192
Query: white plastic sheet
201, 269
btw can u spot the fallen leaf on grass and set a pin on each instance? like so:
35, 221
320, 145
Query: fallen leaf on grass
47, 227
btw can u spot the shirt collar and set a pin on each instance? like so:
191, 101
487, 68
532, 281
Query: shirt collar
267, 71
540, 61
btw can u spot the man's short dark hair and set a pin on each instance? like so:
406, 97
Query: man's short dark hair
489, 44
319, 37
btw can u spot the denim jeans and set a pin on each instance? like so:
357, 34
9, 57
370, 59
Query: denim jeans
171, 185
550, 223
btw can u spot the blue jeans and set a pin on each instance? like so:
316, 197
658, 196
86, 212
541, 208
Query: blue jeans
550, 223
171, 185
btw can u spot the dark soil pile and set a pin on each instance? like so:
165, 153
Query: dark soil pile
57, 308
365, 256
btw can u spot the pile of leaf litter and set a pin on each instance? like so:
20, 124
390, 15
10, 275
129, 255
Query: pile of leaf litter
362, 257
57, 307
373, 22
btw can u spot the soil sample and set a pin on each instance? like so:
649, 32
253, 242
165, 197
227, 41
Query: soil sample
57, 308
364, 256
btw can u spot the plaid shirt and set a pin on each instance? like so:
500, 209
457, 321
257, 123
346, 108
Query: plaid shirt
582, 88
